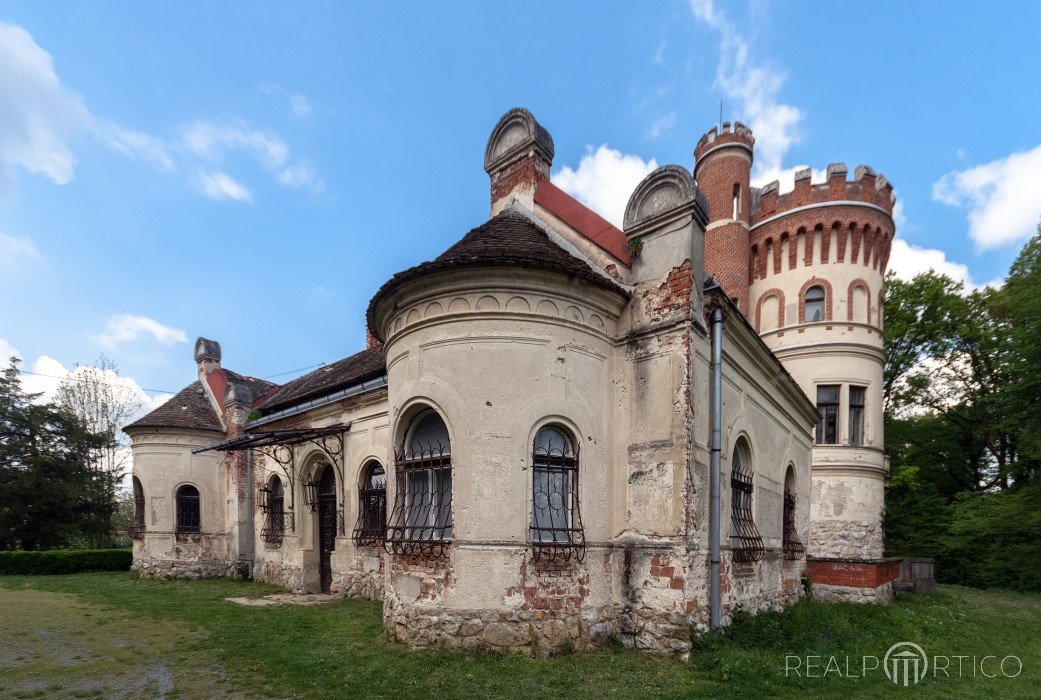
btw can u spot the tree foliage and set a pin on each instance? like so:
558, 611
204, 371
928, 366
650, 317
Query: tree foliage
963, 435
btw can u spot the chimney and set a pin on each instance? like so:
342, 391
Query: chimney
207, 355
238, 402
517, 158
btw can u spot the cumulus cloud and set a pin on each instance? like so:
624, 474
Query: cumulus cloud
1001, 198
218, 185
123, 328
755, 90
38, 115
907, 260
7, 351
604, 180
298, 104
786, 176
14, 250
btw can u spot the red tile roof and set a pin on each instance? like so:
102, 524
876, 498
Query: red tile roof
583, 219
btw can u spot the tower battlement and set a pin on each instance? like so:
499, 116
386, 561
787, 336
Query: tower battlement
867, 187
738, 134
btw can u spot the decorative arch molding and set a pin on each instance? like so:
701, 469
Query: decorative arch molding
516, 133
859, 282
828, 297
774, 292
667, 189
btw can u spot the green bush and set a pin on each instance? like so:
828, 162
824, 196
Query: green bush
65, 561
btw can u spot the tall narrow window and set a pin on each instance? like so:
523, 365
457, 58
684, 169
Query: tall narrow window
814, 304
746, 542
137, 527
422, 518
790, 543
737, 201
828, 406
275, 512
556, 521
189, 520
856, 415
372, 507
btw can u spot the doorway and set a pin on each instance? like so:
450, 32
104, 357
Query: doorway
327, 521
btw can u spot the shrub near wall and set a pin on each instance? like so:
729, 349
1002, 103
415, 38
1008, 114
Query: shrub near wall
65, 561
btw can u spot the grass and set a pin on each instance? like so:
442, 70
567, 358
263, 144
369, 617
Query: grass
112, 635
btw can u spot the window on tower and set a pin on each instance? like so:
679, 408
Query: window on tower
828, 405
814, 304
856, 415
737, 201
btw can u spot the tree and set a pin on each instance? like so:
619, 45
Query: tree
103, 405
45, 480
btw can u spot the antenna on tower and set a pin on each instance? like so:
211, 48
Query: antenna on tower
721, 116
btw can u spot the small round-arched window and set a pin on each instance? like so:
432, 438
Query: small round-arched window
814, 304
189, 513
275, 517
422, 519
746, 542
372, 506
556, 520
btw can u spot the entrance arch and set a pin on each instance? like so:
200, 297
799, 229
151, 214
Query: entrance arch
327, 522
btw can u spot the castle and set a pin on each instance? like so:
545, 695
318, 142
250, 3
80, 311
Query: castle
561, 432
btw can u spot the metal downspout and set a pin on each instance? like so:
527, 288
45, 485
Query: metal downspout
251, 546
716, 418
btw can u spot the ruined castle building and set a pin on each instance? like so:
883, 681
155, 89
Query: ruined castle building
809, 272
520, 457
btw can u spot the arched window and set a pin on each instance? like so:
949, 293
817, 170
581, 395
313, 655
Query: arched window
556, 530
189, 519
814, 304
745, 540
275, 508
422, 519
372, 506
137, 527
790, 542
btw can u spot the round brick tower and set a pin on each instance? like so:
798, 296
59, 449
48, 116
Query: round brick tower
722, 168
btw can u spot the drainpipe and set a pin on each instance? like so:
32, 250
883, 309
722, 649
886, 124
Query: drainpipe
251, 544
716, 418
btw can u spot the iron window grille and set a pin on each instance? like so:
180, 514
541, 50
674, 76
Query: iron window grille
274, 508
747, 543
856, 415
264, 499
371, 528
421, 523
556, 533
790, 543
828, 406
137, 528
188, 511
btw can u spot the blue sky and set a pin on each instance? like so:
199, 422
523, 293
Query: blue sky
253, 172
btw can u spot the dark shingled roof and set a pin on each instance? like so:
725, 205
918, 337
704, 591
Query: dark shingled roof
259, 386
507, 239
360, 367
190, 408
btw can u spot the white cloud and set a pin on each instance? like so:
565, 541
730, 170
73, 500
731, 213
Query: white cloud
786, 177
135, 144
659, 53
300, 106
7, 351
12, 250
125, 328
38, 115
213, 140
755, 89
1002, 197
301, 175
661, 125
604, 180
218, 185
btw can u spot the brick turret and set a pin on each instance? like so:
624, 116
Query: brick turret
722, 169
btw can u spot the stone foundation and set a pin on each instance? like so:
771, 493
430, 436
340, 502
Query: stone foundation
179, 569
853, 594
853, 581
362, 579
289, 576
846, 539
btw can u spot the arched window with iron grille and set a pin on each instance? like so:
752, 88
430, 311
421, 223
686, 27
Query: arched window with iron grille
746, 542
371, 527
790, 543
137, 527
422, 519
556, 532
274, 507
189, 513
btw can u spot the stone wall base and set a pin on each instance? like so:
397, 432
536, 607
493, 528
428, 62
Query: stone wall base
853, 594
286, 575
179, 569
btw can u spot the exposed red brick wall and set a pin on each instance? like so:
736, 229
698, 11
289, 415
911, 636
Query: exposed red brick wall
528, 170
858, 574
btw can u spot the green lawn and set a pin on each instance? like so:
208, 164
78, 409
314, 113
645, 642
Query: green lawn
112, 635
